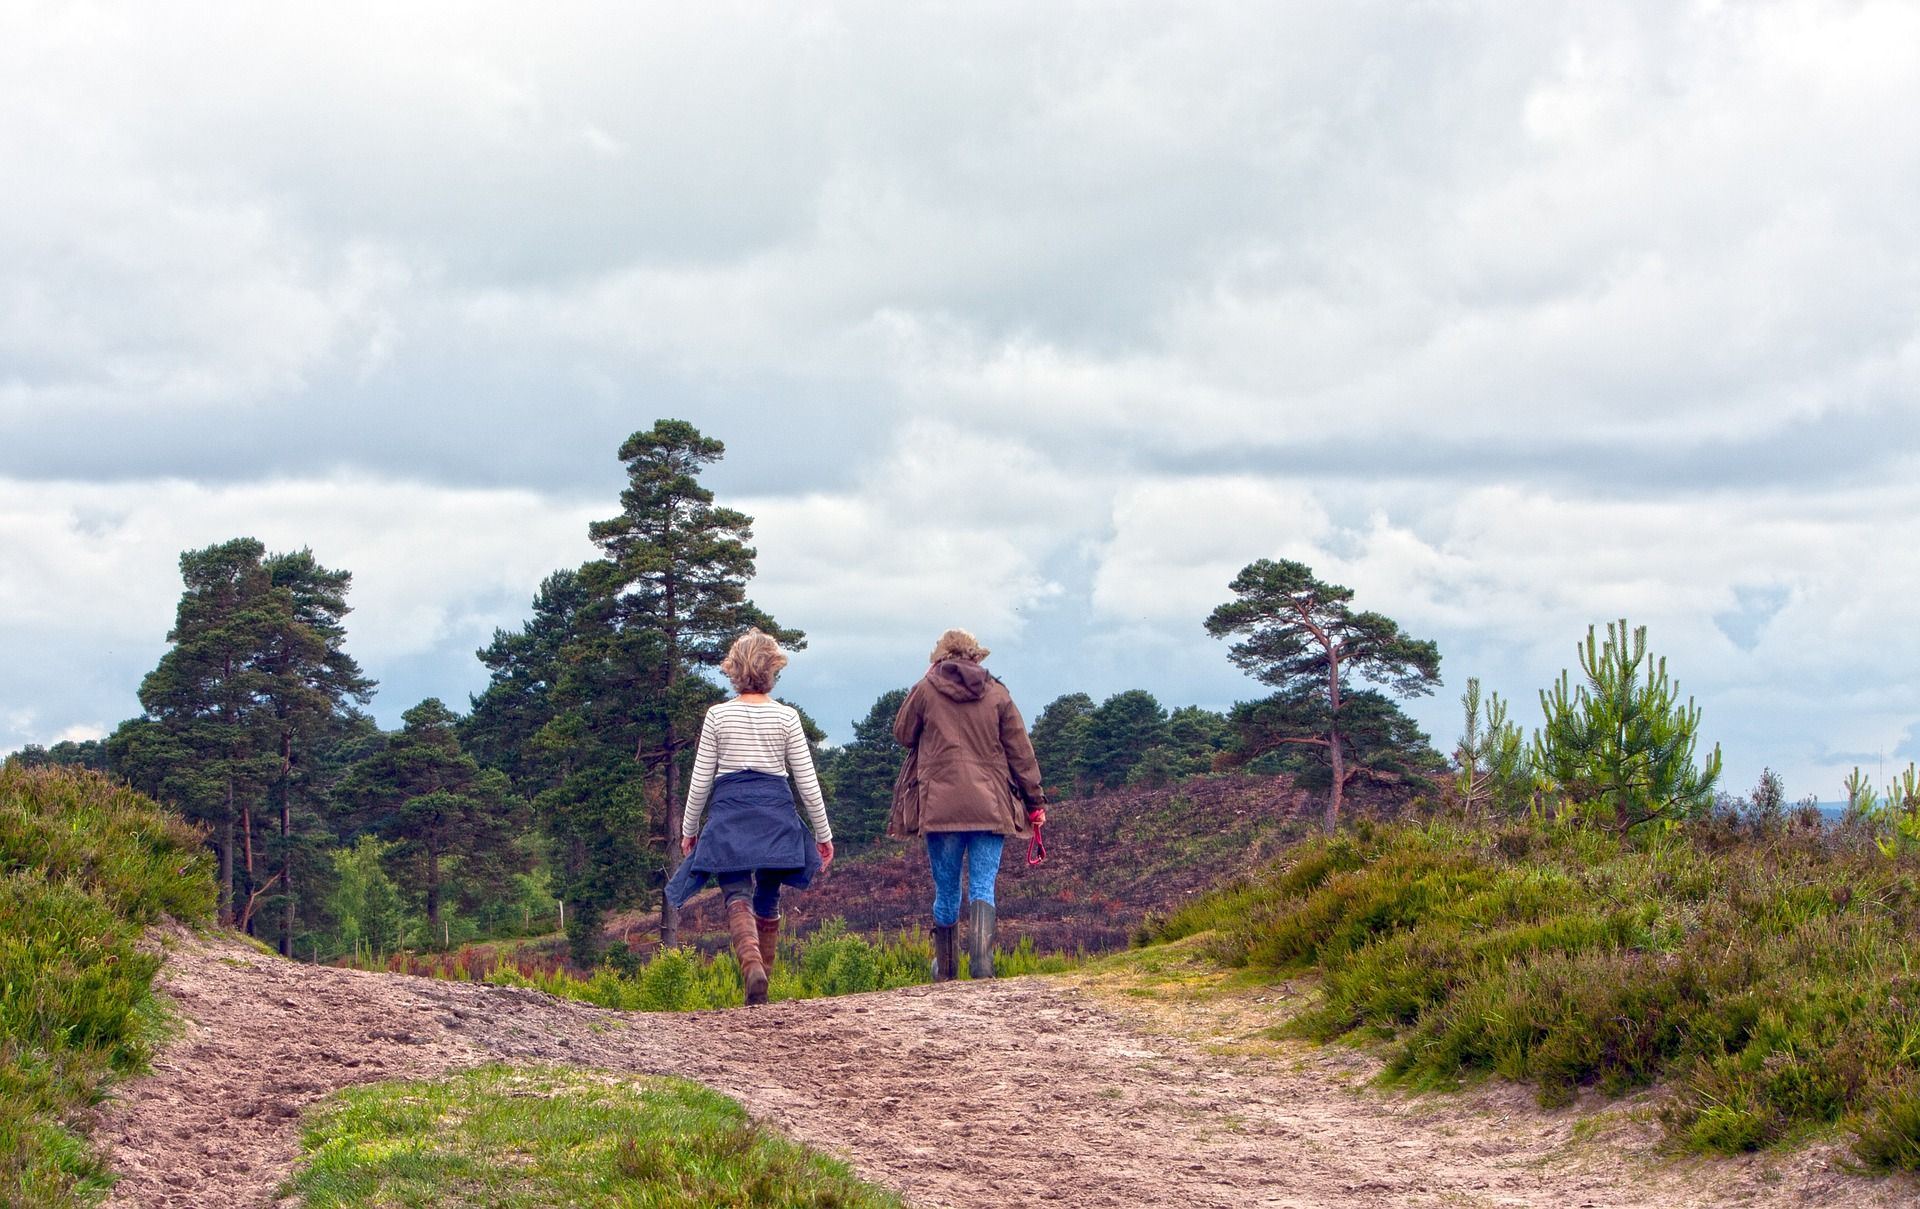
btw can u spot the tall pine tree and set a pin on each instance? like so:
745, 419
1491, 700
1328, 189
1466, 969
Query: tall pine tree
310, 680
676, 567
254, 674
199, 743
595, 703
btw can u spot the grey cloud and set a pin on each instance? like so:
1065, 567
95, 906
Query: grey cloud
1640, 252
1076, 184
1837, 448
1755, 607
1908, 748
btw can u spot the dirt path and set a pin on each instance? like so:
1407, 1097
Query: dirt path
1022, 1092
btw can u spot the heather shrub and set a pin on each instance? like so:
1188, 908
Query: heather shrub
1761, 973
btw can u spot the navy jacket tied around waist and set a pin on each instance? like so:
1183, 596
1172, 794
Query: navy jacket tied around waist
751, 824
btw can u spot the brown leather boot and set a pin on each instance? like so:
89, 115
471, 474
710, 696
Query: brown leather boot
769, 937
946, 965
746, 947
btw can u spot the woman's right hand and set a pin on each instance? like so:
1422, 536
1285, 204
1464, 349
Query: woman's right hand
686, 845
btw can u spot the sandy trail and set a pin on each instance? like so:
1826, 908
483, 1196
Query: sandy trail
1021, 1092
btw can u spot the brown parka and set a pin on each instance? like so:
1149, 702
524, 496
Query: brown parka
970, 764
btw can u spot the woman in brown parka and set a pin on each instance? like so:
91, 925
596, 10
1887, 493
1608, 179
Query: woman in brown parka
969, 782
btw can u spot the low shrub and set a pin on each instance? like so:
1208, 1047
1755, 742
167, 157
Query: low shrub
831, 961
1765, 978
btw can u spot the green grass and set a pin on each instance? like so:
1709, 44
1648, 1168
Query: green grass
1769, 981
831, 961
85, 865
505, 1136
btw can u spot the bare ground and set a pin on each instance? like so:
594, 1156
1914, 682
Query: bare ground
1021, 1092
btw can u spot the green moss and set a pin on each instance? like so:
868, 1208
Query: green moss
505, 1136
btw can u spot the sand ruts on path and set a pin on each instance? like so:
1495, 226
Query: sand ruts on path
1021, 1092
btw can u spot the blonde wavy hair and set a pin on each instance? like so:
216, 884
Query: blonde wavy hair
958, 644
753, 663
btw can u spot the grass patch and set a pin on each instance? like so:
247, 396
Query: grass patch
831, 961
1769, 980
85, 865
507, 1136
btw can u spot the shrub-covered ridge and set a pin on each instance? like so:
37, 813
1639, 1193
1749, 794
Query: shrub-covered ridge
85, 865
1769, 979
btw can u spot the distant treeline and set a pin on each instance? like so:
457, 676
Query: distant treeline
558, 792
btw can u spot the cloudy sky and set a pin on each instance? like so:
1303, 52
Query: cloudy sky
1039, 319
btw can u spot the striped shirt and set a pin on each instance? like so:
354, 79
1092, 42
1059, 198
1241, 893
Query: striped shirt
765, 736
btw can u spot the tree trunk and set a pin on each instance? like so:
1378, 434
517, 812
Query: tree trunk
670, 784
1334, 800
286, 841
670, 778
226, 863
226, 844
433, 885
1339, 780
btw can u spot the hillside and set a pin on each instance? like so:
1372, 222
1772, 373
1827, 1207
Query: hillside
1113, 859
1144, 1080
85, 867
1079, 1096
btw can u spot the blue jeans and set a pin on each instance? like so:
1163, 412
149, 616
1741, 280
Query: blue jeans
981, 849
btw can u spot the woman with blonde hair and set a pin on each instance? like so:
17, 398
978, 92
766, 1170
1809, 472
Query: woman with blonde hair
969, 782
740, 827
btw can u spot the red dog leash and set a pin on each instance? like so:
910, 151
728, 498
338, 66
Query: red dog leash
1036, 847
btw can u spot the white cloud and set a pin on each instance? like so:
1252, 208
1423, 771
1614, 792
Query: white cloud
952, 527
89, 577
1511, 319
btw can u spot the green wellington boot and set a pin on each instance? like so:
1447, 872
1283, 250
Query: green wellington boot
946, 963
980, 938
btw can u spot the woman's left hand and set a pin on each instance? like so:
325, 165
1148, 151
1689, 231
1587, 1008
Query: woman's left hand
826, 855
686, 845
1037, 816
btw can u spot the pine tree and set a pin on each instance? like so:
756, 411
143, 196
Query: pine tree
1299, 635
1122, 730
676, 567
1495, 765
433, 802
518, 699
255, 672
1058, 735
864, 772
594, 705
199, 743
309, 678
1622, 740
